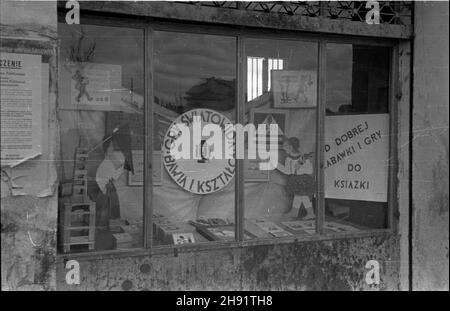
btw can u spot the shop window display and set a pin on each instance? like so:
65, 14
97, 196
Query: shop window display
357, 156
281, 202
101, 123
194, 75
194, 78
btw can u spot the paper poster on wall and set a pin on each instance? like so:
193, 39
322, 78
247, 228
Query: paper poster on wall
294, 88
21, 107
269, 117
356, 157
37, 176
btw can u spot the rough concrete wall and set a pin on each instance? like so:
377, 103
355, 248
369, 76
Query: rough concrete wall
225, 16
403, 109
316, 265
430, 147
28, 222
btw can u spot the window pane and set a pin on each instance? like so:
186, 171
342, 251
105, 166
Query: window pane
280, 202
193, 199
356, 137
101, 114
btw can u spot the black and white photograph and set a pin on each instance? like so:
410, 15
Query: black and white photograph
131, 158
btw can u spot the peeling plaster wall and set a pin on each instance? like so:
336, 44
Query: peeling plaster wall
430, 147
316, 265
28, 222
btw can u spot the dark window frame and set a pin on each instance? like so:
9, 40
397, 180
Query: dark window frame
241, 34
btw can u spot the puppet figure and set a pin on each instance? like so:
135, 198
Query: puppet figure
300, 181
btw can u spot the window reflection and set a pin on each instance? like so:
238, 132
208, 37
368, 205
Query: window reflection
357, 79
101, 89
192, 72
357, 137
102, 137
283, 91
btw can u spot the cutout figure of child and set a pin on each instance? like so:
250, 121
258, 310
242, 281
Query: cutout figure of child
81, 83
300, 182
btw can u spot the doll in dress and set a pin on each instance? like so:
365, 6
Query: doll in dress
300, 182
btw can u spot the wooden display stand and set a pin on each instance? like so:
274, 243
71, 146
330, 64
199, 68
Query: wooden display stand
79, 186
77, 220
78, 225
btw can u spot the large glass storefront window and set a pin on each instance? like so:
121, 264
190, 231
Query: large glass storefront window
193, 198
281, 89
269, 187
357, 157
101, 92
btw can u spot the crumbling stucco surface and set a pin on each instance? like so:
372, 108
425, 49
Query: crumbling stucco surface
28, 243
221, 16
430, 173
313, 265
28, 223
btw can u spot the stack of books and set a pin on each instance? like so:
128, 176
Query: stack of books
271, 228
164, 228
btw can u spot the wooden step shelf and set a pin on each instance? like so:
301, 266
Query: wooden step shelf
77, 225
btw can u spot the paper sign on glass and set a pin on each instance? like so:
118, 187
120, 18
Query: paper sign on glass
357, 157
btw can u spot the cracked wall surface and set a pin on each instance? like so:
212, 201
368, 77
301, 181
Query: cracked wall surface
28, 216
315, 265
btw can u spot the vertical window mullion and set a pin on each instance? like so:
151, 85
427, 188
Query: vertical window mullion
320, 139
148, 141
240, 112
393, 130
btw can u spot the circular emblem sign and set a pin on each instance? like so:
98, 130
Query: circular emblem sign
194, 154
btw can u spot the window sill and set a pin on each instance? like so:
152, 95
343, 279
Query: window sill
210, 246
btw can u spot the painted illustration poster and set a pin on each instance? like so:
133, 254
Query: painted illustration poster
269, 117
357, 157
90, 86
294, 88
21, 107
93, 86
